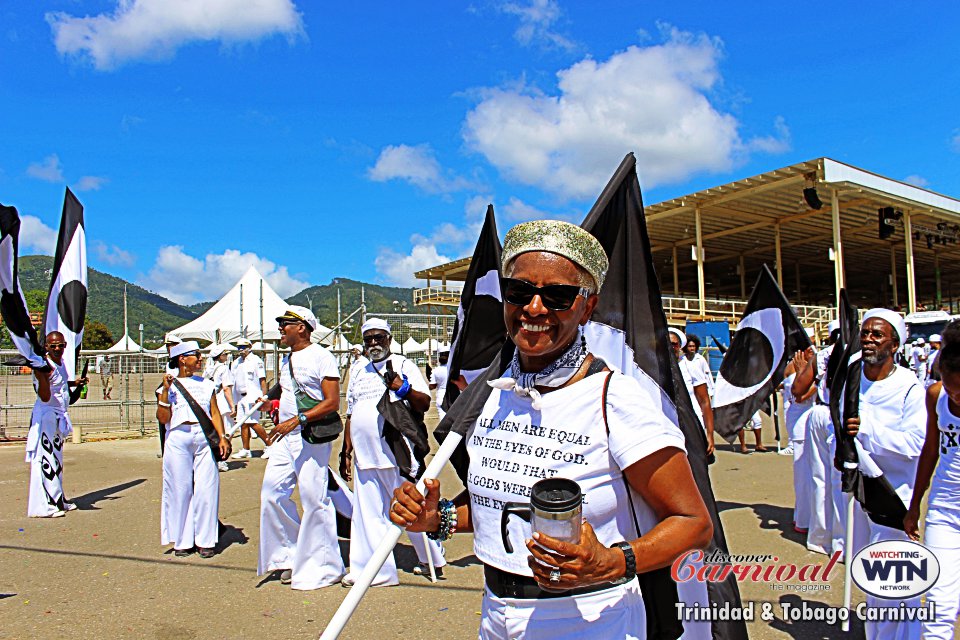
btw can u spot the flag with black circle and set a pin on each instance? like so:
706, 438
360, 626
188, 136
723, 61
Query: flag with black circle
767, 337
478, 331
13, 304
67, 302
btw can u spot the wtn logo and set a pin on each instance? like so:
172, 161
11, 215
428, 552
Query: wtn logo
895, 569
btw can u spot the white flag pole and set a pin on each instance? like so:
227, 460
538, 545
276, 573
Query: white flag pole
848, 554
356, 593
242, 419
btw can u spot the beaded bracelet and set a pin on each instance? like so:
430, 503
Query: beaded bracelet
448, 521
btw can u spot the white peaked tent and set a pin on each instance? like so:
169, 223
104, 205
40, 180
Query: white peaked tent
241, 312
412, 346
126, 343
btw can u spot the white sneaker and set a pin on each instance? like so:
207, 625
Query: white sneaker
69, 506
243, 453
266, 453
788, 451
222, 466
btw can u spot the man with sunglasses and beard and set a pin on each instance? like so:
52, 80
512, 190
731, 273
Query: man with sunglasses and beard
367, 454
49, 427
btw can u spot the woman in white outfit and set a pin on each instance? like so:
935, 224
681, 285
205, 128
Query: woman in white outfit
222, 379
191, 486
795, 416
558, 411
942, 528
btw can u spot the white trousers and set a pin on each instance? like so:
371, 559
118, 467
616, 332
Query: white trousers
824, 512
802, 484
373, 492
309, 546
944, 541
191, 490
612, 613
46, 465
888, 630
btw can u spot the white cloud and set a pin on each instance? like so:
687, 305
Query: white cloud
90, 183
398, 269
778, 143
536, 21
518, 210
186, 279
49, 170
653, 100
112, 254
155, 29
36, 237
476, 206
416, 165
955, 141
917, 181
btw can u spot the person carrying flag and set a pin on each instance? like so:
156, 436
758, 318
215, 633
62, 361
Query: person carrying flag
369, 454
49, 426
617, 444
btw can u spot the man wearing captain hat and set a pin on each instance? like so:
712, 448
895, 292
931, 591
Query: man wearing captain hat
249, 384
305, 550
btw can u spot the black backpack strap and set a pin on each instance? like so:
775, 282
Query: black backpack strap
205, 422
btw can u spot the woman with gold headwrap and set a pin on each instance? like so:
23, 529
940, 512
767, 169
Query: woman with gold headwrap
556, 410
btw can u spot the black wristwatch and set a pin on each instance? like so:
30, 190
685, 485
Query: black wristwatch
631, 561
302, 419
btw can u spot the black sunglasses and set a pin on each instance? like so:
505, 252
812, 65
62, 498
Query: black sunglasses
556, 297
287, 323
381, 338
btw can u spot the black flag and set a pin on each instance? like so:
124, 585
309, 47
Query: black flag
859, 476
13, 305
480, 314
629, 331
766, 339
67, 302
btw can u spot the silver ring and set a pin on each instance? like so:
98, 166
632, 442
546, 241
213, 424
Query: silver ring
555, 575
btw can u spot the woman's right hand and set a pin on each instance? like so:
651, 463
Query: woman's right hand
911, 524
167, 381
413, 511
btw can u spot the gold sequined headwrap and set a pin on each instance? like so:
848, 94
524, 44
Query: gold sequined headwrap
562, 238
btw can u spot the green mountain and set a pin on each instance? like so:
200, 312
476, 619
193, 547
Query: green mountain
323, 299
105, 301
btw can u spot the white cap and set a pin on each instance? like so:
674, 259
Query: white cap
184, 347
375, 323
171, 339
893, 318
679, 334
833, 326
302, 314
936, 338
921, 341
218, 350
243, 342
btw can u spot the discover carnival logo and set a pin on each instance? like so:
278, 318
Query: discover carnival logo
895, 569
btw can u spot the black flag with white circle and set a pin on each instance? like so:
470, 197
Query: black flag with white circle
67, 302
13, 305
478, 331
766, 339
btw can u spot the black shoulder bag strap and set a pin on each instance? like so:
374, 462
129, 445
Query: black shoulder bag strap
209, 431
657, 587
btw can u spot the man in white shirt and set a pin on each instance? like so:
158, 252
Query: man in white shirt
696, 382
304, 552
250, 384
691, 352
438, 379
918, 358
374, 462
891, 430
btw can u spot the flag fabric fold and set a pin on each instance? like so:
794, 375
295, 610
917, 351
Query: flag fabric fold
67, 303
13, 304
480, 313
752, 368
859, 474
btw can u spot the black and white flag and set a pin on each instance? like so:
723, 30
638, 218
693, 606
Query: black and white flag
629, 331
480, 313
67, 302
13, 305
766, 339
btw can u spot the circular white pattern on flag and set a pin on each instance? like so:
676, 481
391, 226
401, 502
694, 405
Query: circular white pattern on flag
768, 323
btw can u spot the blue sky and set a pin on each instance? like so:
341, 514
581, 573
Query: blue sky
321, 140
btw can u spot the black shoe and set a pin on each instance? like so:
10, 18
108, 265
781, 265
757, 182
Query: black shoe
206, 552
183, 553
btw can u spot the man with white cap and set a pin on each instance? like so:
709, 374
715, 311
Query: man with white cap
891, 428
303, 550
223, 384
918, 358
373, 461
249, 385
438, 379
933, 375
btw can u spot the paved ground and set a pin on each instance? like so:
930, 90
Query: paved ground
100, 572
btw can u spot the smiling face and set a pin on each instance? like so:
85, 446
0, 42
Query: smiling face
878, 341
542, 334
377, 344
55, 344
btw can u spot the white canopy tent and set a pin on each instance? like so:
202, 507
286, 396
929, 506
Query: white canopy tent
250, 307
125, 344
412, 346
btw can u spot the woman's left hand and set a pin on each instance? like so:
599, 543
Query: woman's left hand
580, 565
225, 448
